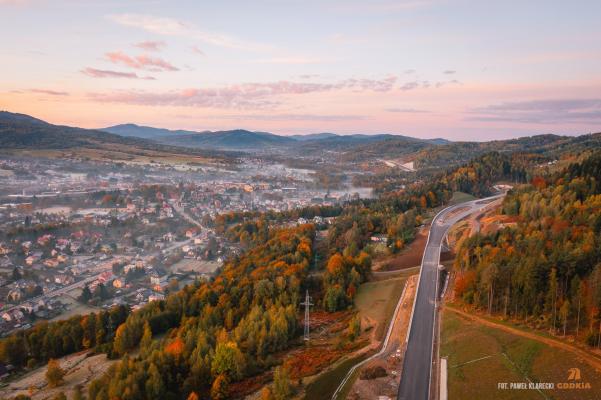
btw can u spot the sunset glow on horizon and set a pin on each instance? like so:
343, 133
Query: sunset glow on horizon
462, 70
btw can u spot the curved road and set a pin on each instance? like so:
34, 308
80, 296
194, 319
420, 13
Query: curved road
417, 364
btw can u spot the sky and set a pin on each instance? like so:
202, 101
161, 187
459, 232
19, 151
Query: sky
462, 70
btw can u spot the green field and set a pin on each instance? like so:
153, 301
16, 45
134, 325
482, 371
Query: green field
377, 300
326, 384
460, 197
480, 357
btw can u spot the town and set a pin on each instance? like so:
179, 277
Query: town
79, 236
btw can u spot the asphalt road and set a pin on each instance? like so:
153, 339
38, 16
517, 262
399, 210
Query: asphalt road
417, 364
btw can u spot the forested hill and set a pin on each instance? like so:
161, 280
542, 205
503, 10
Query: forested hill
546, 268
479, 175
549, 146
22, 132
451, 154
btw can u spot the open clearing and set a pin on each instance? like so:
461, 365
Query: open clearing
197, 266
480, 356
376, 302
409, 257
115, 153
460, 197
74, 308
80, 370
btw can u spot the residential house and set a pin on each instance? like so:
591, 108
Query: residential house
120, 282
64, 279
33, 258
379, 238
158, 282
51, 262
5, 262
14, 315
156, 297
15, 295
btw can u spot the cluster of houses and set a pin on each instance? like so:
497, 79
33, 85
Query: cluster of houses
223, 197
20, 317
317, 220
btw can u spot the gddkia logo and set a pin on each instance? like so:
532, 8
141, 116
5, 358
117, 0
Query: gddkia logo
574, 381
574, 374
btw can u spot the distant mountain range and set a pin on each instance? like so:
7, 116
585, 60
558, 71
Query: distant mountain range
23, 132
241, 139
438, 153
144, 132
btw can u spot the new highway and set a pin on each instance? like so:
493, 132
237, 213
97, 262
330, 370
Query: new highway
417, 364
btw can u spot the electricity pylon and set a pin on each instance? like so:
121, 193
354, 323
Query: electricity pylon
307, 303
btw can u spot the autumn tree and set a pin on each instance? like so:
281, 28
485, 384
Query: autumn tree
220, 388
228, 361
551, 303
564, 312
354, 328
266, 393
54, 373
282, 389
193, 396
77, 393
146, 340
334, 299
155, 387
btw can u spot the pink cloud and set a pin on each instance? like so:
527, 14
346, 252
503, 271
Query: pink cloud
413, 85
290, 117
150, 45
451, 82
140, 62
288, 60
102, 73
50, 92
541, 111
197, 50
13, 2
242, 96
173, 27
406, 110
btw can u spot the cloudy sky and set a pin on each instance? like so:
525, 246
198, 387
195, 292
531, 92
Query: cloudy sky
464, 70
